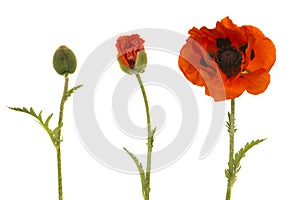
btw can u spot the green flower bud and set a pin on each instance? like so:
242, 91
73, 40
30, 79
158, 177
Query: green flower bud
64, 61
131, 54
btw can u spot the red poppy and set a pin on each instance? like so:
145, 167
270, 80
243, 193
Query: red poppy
128, 47
228, 59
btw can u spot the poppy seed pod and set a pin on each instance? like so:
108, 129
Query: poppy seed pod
64, 61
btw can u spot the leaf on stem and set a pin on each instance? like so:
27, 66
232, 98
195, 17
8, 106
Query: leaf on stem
230, 124
242, 153
44, 124
153, 131
140, 168
227, 174
231, 175
72, 90
56, 134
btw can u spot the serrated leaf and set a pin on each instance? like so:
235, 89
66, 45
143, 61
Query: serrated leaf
48, 119
72, 90
153, 131
56, 134
32, 112
140, 168
40, 114
228, 115
25, 110
242, 153
39, 118
228, 125
227, 173
16, 109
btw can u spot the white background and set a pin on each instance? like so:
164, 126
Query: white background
32, 30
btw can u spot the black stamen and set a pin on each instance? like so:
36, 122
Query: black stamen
243, 48
131, 63
229, 60
252, 56
223, 42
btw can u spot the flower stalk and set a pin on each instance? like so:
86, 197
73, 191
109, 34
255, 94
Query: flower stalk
146, 190
231, 131
232, 62
132, 59
234, 165
57, 146
64, 63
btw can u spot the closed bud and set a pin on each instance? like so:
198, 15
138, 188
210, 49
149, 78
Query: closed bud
64, 61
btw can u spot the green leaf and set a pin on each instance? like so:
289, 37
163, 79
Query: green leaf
48, 119
153, 131
140, 168
56, 134
227, 174
227, 125
71, 91
242, 153
44, 124
228, 122
32, 112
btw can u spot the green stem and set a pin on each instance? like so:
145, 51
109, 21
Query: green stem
150, 140
59, 174
57, 146
63, 100
231, 131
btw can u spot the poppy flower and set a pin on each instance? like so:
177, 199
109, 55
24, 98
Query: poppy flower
131, 54
228, 59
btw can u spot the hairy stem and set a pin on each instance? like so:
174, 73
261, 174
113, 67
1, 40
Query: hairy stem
59, 173
231, 130
150, 141
57, 144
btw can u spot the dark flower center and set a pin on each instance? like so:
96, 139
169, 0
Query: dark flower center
130, 59
228, 58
